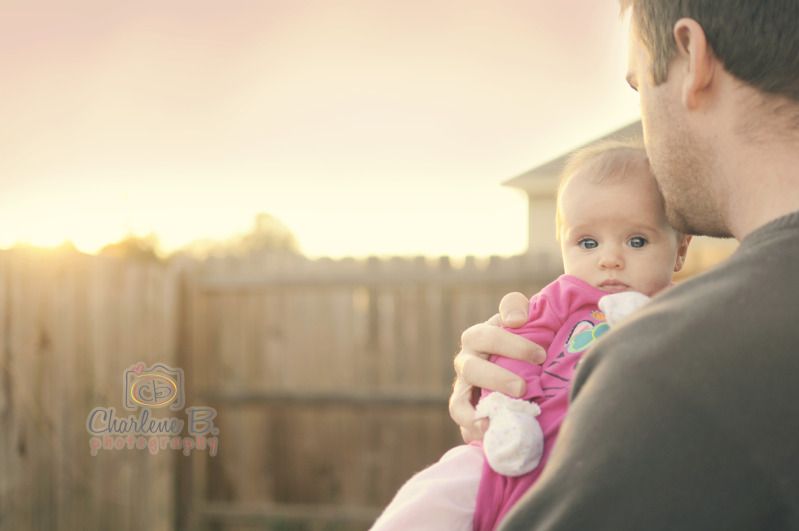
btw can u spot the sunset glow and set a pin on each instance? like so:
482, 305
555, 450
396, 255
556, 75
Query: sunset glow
366, 127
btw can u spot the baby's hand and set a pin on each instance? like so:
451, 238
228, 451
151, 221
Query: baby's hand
514, 442
619, 306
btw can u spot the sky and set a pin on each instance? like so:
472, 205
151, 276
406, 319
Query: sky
368, 127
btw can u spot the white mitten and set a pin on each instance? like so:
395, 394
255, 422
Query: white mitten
618, 306
514, 442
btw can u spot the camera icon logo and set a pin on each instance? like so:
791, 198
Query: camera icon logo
157, 386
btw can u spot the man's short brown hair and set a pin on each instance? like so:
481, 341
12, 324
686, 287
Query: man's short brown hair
756, 40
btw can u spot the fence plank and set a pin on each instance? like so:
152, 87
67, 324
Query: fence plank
70, 324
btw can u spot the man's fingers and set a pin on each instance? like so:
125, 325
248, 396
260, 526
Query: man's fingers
494, 340
479, 372
475, 433
475, 371
495, 320
462, 411
513, 309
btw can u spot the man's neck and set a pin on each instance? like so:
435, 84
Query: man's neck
764, 185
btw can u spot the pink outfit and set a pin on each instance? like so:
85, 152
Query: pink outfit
441, 497
564, 319
460, 491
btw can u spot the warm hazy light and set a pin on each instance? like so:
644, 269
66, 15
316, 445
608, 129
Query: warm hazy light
185, 119
47, 235
53, 223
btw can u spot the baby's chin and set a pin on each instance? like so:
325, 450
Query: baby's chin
616, 289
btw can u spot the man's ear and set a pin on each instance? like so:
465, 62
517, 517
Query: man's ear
682, 250
699, 61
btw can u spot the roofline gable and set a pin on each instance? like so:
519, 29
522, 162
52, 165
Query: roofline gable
541, 178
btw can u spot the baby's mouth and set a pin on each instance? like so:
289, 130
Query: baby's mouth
613, 286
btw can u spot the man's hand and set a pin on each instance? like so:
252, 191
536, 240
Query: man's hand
474, 371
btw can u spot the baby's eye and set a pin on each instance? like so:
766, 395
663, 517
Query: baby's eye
587, 243
636, 242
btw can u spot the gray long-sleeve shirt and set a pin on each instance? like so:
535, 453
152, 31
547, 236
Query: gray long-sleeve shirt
687, 417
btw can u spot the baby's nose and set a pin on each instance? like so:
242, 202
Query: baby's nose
611, 260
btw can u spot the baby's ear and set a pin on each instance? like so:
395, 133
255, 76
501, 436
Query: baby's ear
682, 250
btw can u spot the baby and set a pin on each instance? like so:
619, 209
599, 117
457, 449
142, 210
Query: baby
616, 246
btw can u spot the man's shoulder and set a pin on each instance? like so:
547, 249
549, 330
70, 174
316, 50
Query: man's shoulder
707, 322
716, 352
738, 297
710, 340
726, 319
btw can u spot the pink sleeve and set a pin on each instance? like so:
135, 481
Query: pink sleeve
548, 311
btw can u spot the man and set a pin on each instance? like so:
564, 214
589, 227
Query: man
687, 417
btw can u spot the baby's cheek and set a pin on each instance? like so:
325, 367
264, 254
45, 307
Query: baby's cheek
660, 283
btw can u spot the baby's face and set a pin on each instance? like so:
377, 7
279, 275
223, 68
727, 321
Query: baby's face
614, 235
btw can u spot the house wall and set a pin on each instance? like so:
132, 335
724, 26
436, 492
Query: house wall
541, 225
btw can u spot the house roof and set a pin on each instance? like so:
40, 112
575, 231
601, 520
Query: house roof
542, 180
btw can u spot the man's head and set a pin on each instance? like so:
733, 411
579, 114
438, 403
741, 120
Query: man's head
611, 222
712, 76
756, 41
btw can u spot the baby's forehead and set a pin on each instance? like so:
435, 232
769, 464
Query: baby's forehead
627, 189
631, 195
615, 166
622, 168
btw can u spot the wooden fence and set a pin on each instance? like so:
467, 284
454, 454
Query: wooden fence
330, 379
